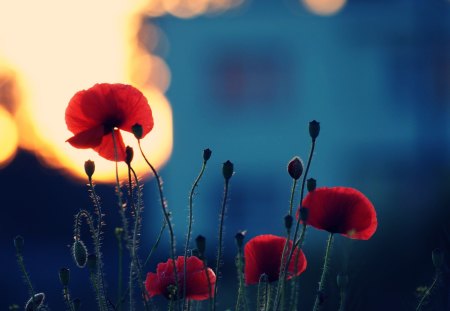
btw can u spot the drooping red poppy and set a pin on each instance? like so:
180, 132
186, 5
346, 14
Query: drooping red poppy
263, 256
93, 115
341, 210
197, 287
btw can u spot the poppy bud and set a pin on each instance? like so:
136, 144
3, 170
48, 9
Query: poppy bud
200, 241
227, 170
64, 276
79, 253
92, 263
288, 221
304, 213
76, 304
311, 184
314, 129
342, 281
295, 168
137, 130
35, 302
239, 237
18, 243
89, 168
207, 154
438, 258
129, 153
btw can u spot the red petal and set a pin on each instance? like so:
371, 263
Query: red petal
263, 256
87, 139
197, 287
106, 148
152, 284
341, 210
134, 108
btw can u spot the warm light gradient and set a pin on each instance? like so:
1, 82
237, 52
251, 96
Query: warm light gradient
60, 48
324, 7
8, 137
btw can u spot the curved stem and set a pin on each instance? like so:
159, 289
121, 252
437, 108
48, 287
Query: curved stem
219, 251
166, 216
317, 302
188, 237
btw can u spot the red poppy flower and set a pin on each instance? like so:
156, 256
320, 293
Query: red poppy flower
341, 210
197, 287
93, 115
263, 256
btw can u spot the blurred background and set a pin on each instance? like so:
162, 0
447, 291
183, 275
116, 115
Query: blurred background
243, 78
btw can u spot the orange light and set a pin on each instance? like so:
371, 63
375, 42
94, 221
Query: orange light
324, 7
8, 137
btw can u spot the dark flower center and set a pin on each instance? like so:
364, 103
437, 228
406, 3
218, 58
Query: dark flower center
110, 124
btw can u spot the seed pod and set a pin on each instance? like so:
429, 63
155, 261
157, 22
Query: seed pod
34, 303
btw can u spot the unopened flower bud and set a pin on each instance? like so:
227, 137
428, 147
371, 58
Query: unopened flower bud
239, 237
35, 302
89, 168
64, 276
207, 154
304, 213
311, 184
288, 219
92, 263
342, 281
76, 304
227, 170
438, 258
79, 253
18, 243
129, 154
137, 130
295, 168
200, 241
314, 129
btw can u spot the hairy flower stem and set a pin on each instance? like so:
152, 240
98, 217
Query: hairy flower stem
291, 201
189, 231
208, 279
155, 246
241, 299
66, 295
302, 190
97, 237
135, 240
220, 246
284, 268
120, 263
167, 218
26, 277
428, 292
101, 298
317, 303
263, 294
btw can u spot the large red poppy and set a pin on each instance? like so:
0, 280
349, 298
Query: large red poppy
263, 256
93, 115
341, 210
197, 287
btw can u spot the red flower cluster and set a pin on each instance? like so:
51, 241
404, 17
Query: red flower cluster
93, 115
341, 210
263, 256
197, 287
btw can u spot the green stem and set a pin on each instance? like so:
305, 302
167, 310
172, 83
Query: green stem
291, 201
96, 237
66, 295
205, 267
166, 216
263, 293
155, 246
188, 238
219, 251
241, 290
428, 292
324, 272
119, 285
26, 277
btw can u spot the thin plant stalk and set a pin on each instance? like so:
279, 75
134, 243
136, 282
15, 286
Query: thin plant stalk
427, 293
188, 237
326, 261
241, 299
219, 250
26, 277
166, 215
